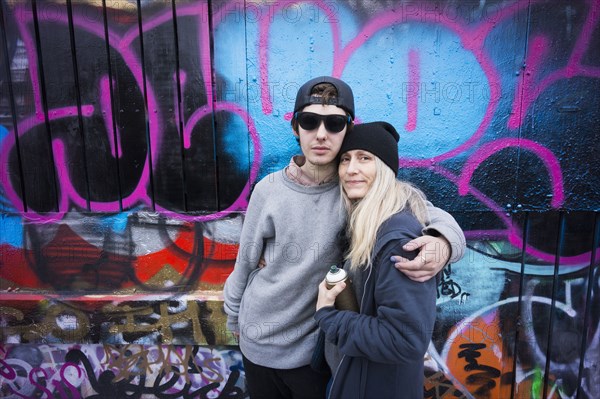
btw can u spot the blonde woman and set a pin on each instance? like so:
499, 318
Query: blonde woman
382, 346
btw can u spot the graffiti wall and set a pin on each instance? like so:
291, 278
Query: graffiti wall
132, 132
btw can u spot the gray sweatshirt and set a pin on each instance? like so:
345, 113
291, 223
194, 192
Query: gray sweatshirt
298, 229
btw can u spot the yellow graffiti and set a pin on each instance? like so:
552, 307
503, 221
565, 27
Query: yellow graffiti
67, 322
131, 324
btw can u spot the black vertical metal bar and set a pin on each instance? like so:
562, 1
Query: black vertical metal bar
249, 141
519, 320
78, 99
559, 247
112, 102
145, 93
179, 106
44, 98
587, 311
13, 107
214, 100
521, 94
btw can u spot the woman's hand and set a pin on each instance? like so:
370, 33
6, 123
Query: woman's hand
327, 296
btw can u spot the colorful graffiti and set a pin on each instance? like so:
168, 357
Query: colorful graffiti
96, 371
131, 134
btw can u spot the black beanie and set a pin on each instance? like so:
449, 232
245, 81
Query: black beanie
379, 138
344, 98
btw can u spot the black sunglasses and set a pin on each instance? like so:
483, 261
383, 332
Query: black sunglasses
311, 121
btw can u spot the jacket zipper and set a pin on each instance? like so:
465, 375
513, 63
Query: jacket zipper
344, 356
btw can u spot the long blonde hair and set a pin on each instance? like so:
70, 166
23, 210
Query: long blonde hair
385, 197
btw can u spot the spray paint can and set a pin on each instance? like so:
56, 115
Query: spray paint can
346, 300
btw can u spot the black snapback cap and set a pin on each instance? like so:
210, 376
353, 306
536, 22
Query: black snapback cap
344, 99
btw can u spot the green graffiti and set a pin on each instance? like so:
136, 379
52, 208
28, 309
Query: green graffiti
537, 384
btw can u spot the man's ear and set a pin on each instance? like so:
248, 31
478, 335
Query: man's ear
295, 127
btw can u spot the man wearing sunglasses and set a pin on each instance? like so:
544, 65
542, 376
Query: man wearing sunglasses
295, 227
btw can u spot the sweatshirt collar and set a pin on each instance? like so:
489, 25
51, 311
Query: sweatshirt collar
297, 175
